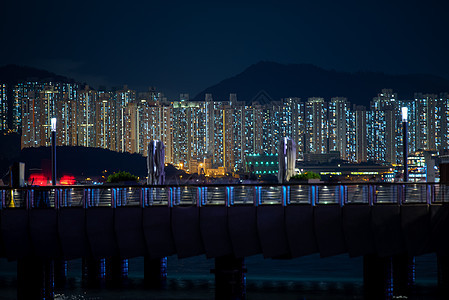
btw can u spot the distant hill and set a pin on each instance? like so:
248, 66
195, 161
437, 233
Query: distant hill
12, 74
84, 161
78, 161
305, 80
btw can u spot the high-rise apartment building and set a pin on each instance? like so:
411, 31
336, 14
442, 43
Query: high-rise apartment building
47, 110
429, 121
166, 131
383, 129
228, 137
38, 106
220, 133
66, 106
26, 93
444, 101
272, 118
26, 111
360, 131
376, 142
131, 123
339, 118
218, 129
86, 118
291, 122
316, 125
105, 127
223, 133
252, 129
3, 108
189, 131
122, 98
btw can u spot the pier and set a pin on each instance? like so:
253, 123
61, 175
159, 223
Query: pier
388, 224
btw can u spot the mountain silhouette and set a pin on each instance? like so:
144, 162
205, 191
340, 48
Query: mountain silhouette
306, 80
12, 74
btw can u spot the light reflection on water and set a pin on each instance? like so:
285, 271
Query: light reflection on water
308, 277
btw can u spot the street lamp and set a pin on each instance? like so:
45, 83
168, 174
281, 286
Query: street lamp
405, 141
53, 151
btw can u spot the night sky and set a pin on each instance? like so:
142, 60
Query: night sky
186, 46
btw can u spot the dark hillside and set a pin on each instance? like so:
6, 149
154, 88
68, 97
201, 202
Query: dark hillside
79, 161
304, 81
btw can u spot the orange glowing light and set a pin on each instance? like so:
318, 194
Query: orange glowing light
67, 180
37, 179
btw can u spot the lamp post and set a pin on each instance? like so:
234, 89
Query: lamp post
405, 142
404, 263
53, 151
56, 268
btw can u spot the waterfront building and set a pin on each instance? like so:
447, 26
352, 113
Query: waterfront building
263, 164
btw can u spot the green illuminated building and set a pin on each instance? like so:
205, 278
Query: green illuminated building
262, 164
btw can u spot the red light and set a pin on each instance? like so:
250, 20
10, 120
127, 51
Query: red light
37, 179
67, 180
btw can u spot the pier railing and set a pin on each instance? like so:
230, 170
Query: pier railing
224, 195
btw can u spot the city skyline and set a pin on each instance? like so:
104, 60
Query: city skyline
223, 133
238, 91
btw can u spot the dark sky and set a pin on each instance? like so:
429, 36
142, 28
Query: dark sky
186, 46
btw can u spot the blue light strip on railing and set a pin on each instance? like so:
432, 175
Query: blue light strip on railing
122, 196
342, 195
285, 195
313, 195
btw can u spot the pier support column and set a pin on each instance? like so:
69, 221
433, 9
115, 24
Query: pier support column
35, 279
60, 268
94, 272
443, 275
230, 278
403, 275
155, 272
116, 271
377, 277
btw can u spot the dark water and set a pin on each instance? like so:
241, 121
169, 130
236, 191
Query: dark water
310, 277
